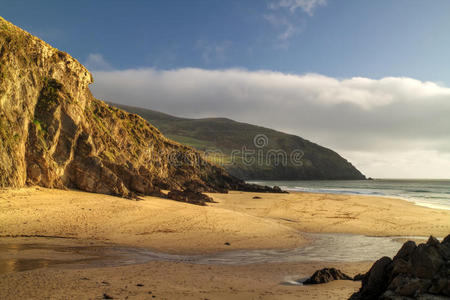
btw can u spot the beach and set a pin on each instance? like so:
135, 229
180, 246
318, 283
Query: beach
238, 221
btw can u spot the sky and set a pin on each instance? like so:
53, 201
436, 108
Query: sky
368, 79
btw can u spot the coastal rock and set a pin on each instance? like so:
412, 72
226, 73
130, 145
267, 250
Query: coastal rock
416, 272
55, 134
190, 196
326, 275
255, 188
358, 277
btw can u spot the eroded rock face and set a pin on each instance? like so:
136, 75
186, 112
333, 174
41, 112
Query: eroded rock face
55, 134
416, 272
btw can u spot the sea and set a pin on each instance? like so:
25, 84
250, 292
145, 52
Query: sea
424, 192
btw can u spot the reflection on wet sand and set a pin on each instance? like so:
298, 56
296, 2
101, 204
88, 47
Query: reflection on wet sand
17, 257
18, 264
323, 247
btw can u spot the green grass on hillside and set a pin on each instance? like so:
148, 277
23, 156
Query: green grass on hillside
226, 136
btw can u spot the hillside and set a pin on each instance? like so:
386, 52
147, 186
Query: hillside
55, 134
316, 162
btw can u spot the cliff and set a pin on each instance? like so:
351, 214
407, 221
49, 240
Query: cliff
55, 134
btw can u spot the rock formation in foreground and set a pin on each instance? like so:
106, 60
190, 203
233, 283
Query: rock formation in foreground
416, 272
55, 134
326, 275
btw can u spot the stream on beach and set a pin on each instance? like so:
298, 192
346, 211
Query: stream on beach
16, 257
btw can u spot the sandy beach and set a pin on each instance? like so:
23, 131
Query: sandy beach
275, 221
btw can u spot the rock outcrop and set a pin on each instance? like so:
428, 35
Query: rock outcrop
190, 196
55, 134
326, 275
416, 272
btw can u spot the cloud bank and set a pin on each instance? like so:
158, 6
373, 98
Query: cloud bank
388, 127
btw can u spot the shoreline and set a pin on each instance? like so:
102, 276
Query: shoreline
275, 221
416, 202
376, 216
377, 190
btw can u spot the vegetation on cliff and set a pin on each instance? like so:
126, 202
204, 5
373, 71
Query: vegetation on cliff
54, 133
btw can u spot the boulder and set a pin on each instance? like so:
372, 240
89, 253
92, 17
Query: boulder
190, 196
359, 277
326, 275
250, 187
416, 272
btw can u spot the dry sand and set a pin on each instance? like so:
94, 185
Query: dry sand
161, 224
329, 213
164, 225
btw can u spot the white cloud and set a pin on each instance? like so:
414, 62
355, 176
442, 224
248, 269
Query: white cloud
308, 6
96, 62
364, 119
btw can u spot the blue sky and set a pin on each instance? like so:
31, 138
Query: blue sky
369, 79
342, 38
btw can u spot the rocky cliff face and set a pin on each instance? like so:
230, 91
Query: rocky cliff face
55, 134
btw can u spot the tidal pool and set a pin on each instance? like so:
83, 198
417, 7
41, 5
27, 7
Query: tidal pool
323, 248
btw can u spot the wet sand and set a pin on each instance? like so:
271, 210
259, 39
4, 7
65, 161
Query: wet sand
173, 280
272, 222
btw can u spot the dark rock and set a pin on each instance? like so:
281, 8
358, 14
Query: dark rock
139, 284
106, 296
406, 250
426, 261
277, 189
359, 277
401, 266
250, 187
227, 244
446, 240
432, 241
190, 196
416, 272
403, 285
376, 280
326, 275
256, 197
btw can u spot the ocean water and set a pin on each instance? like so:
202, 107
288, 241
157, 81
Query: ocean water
423, 192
